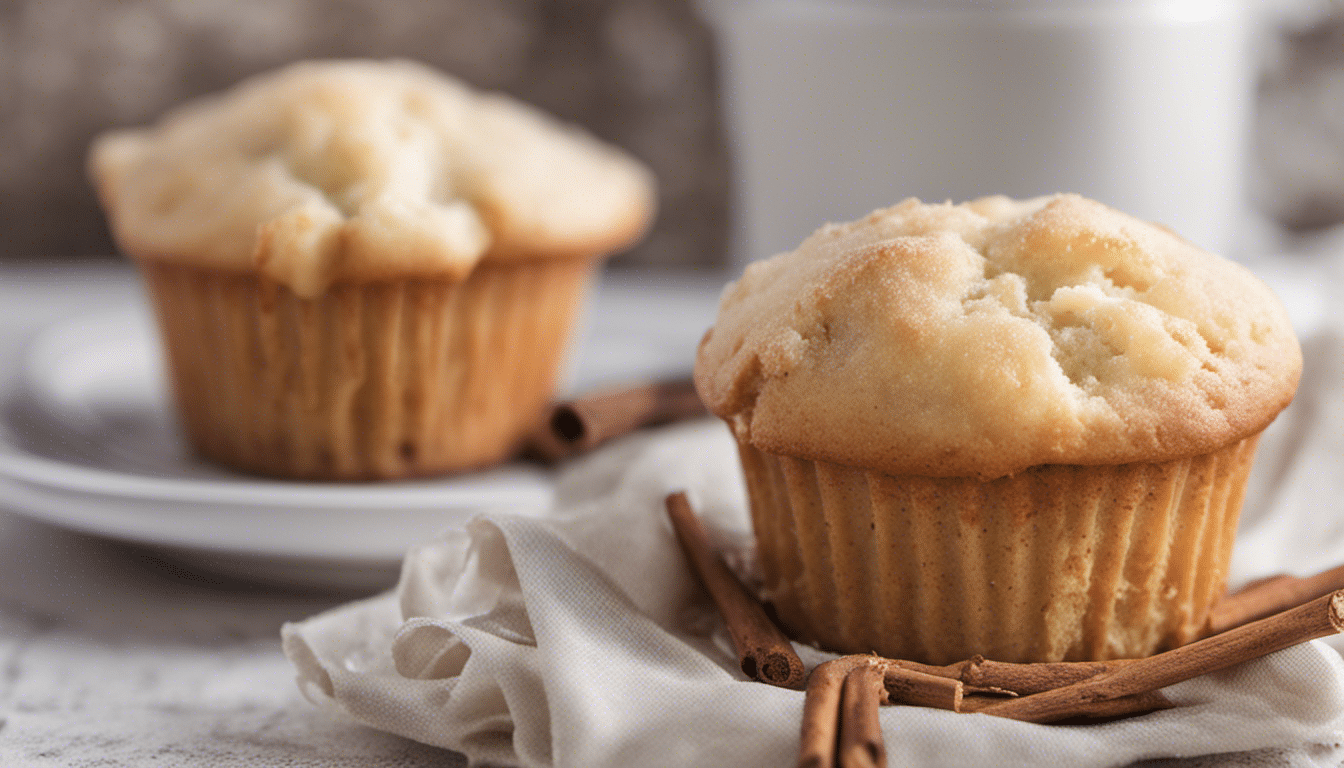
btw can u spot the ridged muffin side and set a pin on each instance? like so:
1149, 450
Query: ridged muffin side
1056, 563
367, 381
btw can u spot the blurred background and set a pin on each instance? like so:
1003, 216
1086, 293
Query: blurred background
638, 73
643, 74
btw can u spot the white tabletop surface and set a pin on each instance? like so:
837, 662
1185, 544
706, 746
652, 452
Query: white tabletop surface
111, 654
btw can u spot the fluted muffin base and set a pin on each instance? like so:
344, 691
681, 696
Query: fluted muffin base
1055, 563
367, 381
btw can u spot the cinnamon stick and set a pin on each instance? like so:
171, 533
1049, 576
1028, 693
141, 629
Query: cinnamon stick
763, 651
981, 675
1026, 679
920, 689
821, 711
1318, 618
1269, 596
861, 744
1106, 709
584, 423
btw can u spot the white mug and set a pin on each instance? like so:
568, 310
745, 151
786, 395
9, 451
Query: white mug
838, 108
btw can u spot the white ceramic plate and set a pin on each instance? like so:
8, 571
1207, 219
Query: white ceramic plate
89, 443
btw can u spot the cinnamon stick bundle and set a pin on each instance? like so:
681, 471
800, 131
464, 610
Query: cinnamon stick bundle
883, 681
819, 736
763, 651
1058, 691
582, 424
1318, 618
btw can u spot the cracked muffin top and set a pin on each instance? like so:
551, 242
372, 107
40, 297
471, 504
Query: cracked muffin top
980, 339
362, 170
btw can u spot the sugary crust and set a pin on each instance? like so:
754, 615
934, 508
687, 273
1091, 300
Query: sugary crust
357, 171
980, 339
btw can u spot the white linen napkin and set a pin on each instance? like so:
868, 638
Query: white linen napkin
582, 639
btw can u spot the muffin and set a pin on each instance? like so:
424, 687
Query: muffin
1020, 429
364, 270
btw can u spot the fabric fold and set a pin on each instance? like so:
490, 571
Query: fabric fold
582, 639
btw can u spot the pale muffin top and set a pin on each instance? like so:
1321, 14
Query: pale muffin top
362, 170
980, 339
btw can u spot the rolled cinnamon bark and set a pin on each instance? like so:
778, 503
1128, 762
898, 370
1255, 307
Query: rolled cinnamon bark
861, 744
1106, 709
1026, 679
586, 422
764, 653
920, 689
1269, 596
820, 732
981, 675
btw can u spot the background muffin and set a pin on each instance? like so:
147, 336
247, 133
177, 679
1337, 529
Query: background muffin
364, 269
1020, 429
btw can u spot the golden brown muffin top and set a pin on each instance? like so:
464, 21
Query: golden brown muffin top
984, 338
362, 170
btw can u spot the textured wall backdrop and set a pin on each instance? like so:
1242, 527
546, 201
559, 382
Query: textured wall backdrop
638, 73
